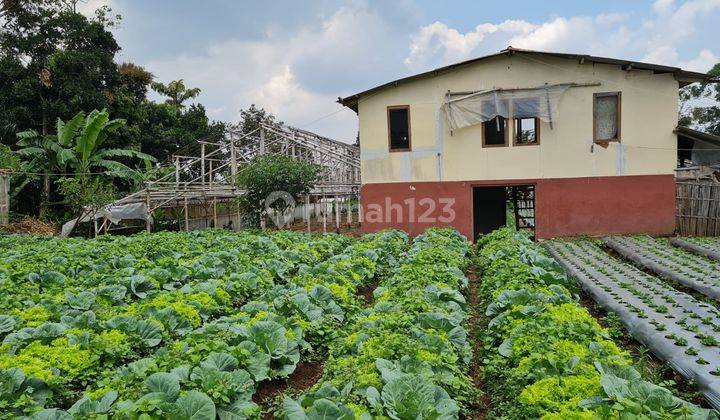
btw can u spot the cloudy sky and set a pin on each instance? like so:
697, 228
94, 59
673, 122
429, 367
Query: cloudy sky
295, 58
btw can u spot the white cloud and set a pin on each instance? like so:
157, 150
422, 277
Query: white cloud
657, 39
704, 61
237, 73
88, 7
438, 42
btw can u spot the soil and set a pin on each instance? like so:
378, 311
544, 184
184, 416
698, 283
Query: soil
29, 225
480, 407
366, 292
305, 375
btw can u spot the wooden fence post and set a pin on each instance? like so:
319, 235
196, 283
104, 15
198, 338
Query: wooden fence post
4, 196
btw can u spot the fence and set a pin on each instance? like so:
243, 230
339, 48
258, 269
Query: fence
697, 208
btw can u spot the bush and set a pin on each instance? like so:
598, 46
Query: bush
274, 173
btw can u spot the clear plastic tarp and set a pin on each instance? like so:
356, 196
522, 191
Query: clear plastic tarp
705, 153
133, 211
476, 108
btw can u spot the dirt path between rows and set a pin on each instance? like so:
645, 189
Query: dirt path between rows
478, 409
306, 374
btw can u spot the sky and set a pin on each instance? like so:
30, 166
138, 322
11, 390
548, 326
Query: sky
295, 58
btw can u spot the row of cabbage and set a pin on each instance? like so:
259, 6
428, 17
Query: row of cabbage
545, 355
171, 324
407, 356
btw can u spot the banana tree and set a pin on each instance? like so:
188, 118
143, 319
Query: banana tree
77, 147
46, 155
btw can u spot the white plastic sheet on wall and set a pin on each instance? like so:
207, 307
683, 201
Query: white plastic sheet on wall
476, 108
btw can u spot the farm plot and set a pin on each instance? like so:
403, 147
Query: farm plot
407, 357
686, 268
673, 325
545, 356
709, 247
165, 325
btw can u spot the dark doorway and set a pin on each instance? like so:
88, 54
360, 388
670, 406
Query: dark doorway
498, 206
489, 209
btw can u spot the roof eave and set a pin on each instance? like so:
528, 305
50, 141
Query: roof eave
683, 77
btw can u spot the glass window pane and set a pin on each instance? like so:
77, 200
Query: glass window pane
494, 131
399, 130
525, 132
605, 114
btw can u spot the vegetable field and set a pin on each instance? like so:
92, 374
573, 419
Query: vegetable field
545, 356
172, 325
205, 325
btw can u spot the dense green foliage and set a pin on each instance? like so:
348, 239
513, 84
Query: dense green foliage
406, 357
170, 324
271, 174
55, 62
545, 355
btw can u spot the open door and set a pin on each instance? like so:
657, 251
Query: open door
489, 209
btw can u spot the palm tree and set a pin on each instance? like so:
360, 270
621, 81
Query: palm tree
176, 91
77, 146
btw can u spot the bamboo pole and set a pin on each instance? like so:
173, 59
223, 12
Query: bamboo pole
187, 226
202, 164
337, 214
215, 225
307, 211
349, 212
324, 213
147, 220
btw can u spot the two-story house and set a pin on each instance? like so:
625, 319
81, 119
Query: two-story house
579, 145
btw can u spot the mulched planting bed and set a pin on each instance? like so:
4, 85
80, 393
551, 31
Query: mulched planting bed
679, 329
670, 262
708, 247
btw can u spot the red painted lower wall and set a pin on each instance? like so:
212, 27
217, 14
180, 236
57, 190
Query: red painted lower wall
563, 206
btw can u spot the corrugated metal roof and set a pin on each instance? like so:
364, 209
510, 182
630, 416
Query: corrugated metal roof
683, 76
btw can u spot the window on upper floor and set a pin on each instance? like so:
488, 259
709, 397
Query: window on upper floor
399, 128
606, 116
526, 124
527, 131
495, 132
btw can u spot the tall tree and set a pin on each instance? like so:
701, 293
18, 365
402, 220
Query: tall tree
78, 146
700, 104
55, 62
176, 91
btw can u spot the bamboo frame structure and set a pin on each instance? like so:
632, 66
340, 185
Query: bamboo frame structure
204, 174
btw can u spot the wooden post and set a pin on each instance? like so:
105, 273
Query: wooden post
210, 177
4, 197
237, 227
349, 211
215, 213
233, 161
95, 226
262, 141
177, 173
187, 226
149, 213
307, 211
324, 213
337, 214
202, 163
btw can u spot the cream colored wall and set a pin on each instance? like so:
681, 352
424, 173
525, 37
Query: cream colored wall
648, 117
